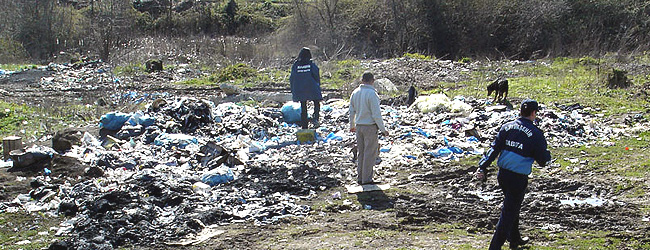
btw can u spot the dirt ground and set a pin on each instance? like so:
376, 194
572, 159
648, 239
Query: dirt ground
429, 206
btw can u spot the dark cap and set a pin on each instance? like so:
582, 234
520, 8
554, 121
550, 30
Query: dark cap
367, 77
529, 104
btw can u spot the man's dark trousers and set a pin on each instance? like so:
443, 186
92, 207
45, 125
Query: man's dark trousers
303, 113
513, 186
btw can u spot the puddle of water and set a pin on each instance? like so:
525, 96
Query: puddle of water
596, 202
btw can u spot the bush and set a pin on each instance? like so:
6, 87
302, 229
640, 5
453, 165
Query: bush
417, 56
235, 72
465, 60
11, 50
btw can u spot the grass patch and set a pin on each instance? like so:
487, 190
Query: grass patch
418, 56
236, 72
242, 75
587, 240
17, 67
203, 81
626, 158
465, 60
32, 123
13, 117
562, 81
375, 233
632, 163
129, 69
31, 230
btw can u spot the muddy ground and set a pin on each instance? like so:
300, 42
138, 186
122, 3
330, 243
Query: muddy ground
431, 204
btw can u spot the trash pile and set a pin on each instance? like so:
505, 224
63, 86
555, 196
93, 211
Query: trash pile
162, 174
87, 76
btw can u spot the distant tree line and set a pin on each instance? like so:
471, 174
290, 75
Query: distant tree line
451, 29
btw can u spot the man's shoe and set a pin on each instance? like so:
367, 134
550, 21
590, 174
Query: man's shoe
522, 241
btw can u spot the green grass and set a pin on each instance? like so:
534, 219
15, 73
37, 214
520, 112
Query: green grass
587, 240
465, 60
129, 70
17, 67
203, 81
32, 122
418, 56
17, 227
614, 159
14, 117
241, 75
563, 81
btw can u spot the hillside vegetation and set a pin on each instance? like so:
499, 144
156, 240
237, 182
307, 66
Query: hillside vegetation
113, 30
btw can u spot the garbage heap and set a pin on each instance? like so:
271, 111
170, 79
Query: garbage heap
170, 171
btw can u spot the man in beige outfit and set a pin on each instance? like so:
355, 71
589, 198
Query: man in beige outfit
365, 120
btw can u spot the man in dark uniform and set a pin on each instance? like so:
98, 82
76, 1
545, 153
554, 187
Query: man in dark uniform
517, 145
305, 86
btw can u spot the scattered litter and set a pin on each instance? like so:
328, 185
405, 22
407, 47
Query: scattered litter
205, 234
595, 202
184, 163
353, 189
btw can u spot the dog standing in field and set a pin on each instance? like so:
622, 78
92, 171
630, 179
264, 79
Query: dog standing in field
500, 89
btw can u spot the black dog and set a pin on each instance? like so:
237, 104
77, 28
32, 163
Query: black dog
500, 89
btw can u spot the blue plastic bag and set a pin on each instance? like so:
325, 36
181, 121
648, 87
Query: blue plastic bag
221, 174
138, 118
113, 120
291, 112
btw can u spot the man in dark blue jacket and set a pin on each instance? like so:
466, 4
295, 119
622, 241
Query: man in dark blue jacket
305, 85
517, 145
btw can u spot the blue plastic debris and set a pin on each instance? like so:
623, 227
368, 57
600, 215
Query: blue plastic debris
472, 139
291, 112
332, 136
441, 152
138, 118
221, 174
424, 133
46, 171
113, 120
384, 149
410, 157
445, 152
326, 108
405, 135
456, 150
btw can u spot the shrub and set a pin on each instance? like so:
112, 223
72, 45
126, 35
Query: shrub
235, 72
418, 56
11, 50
